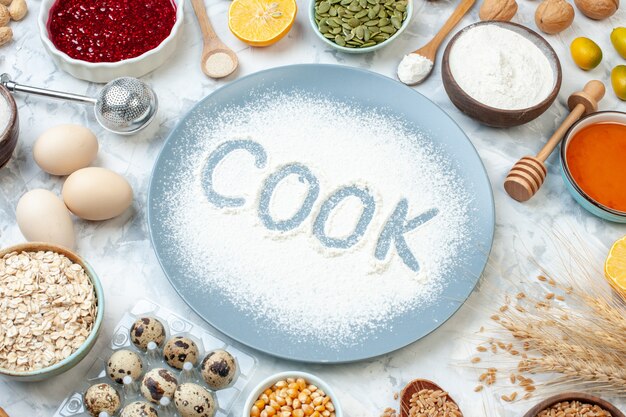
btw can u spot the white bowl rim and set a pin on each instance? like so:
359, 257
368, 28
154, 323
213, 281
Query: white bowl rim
310, 378
372, 48
44, 11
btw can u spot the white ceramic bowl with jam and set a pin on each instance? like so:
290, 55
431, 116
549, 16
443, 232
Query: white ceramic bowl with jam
102, 72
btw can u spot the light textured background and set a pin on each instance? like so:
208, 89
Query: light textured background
120, 251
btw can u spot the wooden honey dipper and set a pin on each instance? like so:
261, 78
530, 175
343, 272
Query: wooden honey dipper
528, 174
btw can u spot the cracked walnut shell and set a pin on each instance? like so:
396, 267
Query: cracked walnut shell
502, 10
554, 16
597, 9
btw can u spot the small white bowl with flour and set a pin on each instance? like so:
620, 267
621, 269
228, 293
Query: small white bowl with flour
501, 73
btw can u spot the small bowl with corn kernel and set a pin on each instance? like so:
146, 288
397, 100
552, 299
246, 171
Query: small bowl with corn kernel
292, 394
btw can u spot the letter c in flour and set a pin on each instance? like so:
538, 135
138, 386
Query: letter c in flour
260, 159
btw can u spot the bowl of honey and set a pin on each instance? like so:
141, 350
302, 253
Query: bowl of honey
593, 163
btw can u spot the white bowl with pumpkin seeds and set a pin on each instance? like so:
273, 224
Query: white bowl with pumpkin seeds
359, 26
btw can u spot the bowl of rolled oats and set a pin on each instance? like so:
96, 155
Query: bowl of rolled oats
51, 310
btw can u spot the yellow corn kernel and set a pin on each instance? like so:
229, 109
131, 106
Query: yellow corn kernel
330, 406
272, 396
326, 413
286, 408
321, 392
326, 399
308, 410
296, 403
293, 385
306, 391
316, 414
315, 395
280, 400
270, 411
312, 388
298, 413
263, 414
260, 404
301, 383
268, 392
293, 393
288, 401
320, 408
255, 411
317, 400
265, 398
302, 397
291, 380
281, 384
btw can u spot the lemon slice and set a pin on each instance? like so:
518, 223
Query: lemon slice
615, 266
261, 22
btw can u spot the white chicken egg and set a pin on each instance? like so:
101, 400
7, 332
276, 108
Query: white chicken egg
42, 217
64, 149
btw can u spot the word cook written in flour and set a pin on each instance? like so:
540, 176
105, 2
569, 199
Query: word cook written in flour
393, 232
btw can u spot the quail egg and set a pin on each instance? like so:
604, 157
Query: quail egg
219, 368
139, 409
101, 397
192, 400
179, 350
124, 362
146, 330
158, 383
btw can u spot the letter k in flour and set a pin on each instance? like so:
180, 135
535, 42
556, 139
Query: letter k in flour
396, 227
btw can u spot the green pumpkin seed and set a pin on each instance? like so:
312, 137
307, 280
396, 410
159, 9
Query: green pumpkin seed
360, 32
383, 22
349, 36
361, 14
401, 7
363, 3
396, 22
329, 35
371, 22
339, 40
335, 31
332, 11
366, 34
388, 29
332, 23
324, 29
354, 8
323, 7
368, 44
354, 22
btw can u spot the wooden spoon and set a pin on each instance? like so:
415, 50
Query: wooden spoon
528, 174
413, 387
429, 51
3, 413
218, 60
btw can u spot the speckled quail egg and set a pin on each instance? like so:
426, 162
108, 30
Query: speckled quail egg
219, 368
124, 362
101, 397
146, 330
139, 409
179, 350
192, 400
158, 383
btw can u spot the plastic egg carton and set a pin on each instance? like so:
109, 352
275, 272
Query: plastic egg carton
174, 325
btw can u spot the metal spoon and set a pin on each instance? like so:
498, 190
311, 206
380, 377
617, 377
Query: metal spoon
218, 60
123, 106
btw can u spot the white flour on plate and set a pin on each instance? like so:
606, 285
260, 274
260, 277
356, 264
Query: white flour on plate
290, 278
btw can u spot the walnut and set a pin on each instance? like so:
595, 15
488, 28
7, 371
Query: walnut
554, 16
597, 9
503, 10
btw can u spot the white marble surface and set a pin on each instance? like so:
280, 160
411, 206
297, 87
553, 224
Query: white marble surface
120, 251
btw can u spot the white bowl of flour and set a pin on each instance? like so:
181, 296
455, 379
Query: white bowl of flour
500, 73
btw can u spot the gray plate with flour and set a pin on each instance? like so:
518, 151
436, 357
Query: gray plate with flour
367, 91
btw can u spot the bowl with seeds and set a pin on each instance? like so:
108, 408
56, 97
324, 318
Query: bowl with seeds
574, 404
51, 310
359, 26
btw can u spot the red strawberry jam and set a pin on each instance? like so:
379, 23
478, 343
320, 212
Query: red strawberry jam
109, 30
